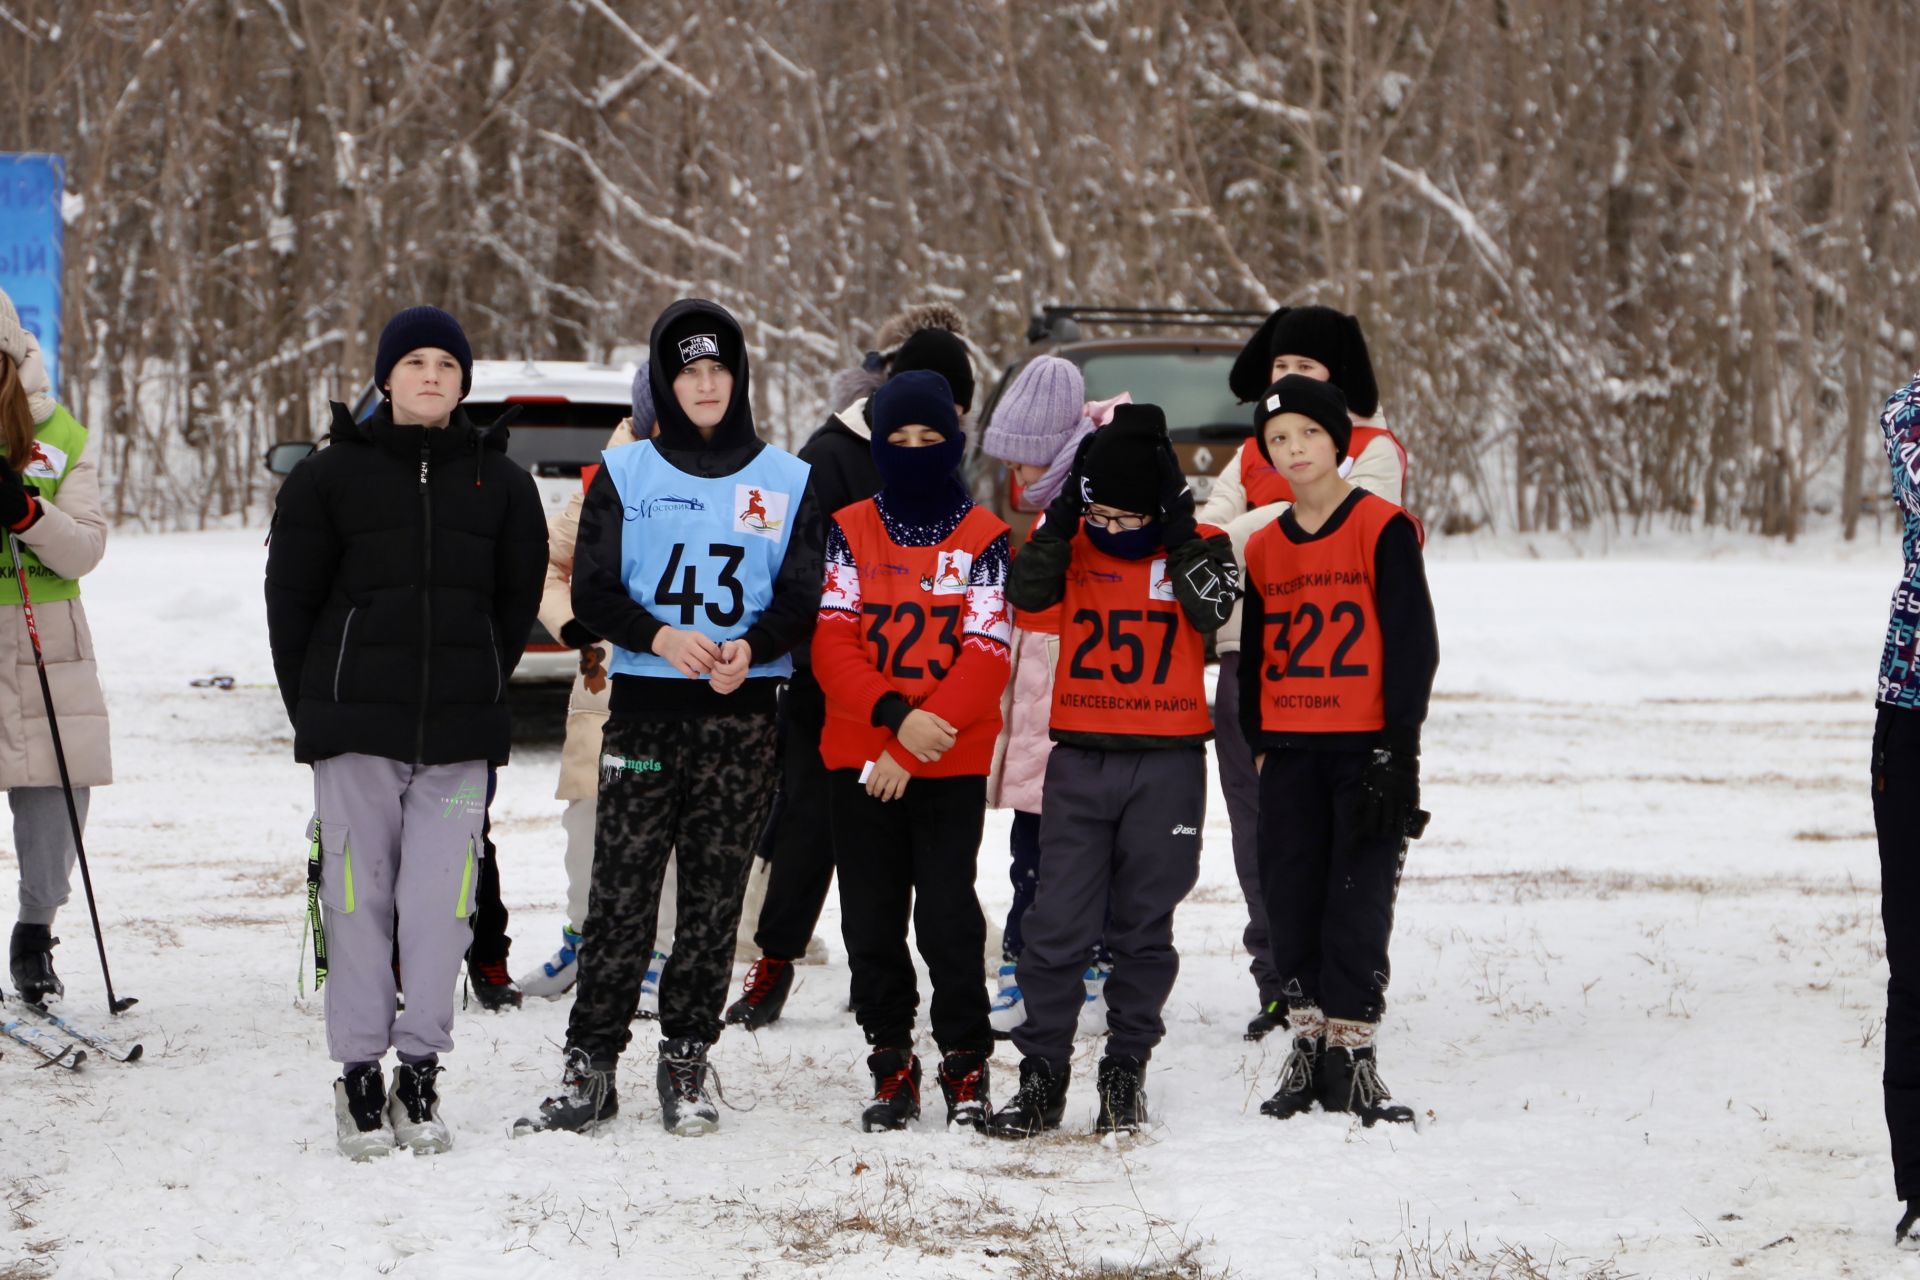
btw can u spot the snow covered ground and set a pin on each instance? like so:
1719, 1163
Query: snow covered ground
1637, 992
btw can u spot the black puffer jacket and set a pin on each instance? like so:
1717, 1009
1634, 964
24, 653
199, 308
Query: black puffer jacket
387, 642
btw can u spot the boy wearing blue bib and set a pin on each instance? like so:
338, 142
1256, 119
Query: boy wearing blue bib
699, 561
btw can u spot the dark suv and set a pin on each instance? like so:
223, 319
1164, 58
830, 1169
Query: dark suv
1183, 371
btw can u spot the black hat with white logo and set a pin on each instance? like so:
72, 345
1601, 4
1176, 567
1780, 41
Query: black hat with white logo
1309, 397
695, 336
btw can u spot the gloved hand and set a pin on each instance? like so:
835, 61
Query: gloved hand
1390, 788
1176, 500
15, 504
575, 635
1064, 512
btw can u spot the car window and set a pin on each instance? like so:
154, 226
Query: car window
553, 439
1190, 386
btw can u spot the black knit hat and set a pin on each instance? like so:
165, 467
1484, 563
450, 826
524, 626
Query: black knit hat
1310, 397
1122, 466
695, 336
1319, 333
418, 327
945, 354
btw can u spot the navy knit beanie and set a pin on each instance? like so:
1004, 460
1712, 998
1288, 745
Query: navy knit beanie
418, 327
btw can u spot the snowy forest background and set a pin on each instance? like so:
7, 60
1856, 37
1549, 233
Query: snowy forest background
1629, 263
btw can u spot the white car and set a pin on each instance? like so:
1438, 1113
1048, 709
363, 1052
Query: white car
567, 410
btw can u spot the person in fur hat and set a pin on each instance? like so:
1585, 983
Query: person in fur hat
840, 452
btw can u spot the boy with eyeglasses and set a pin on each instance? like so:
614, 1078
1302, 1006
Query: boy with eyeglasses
1139, 585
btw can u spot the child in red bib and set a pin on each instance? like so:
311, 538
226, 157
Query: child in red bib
1337, 654
911, 652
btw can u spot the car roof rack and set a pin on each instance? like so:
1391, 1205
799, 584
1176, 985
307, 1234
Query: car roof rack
1047, 322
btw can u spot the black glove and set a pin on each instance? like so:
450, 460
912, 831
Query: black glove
1390, 789
575, 635
13, 497
1064, 512
1176, 500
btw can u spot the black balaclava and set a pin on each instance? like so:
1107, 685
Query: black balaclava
688, 330
918, 485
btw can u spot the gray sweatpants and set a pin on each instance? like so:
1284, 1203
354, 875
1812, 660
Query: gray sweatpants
43, 841
1119, 832
399, 849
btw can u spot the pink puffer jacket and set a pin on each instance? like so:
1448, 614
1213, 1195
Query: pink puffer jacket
1020, 757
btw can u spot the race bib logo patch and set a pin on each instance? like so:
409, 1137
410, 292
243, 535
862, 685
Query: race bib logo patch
699, 346
758, 510
49, 461
1159, 585
955, 569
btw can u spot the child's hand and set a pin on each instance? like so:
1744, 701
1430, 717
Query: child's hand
731, 671
926, 735
688, 652
889, 778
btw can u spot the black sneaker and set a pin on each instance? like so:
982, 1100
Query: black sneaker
1272, 1017
966, 1084
1038, 1104
1296, 1092
1349, 1080
765, 995
1907, 1234
685, 1108
587, 1098
492, 985
30, 957
896, 1090
413, 1108
1123, 1098
360, 1113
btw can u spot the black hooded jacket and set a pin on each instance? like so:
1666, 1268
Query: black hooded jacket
387, 641
600, 598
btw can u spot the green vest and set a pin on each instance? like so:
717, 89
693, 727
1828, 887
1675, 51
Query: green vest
57, 445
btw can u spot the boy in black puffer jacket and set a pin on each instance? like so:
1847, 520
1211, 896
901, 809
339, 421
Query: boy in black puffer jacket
402, 576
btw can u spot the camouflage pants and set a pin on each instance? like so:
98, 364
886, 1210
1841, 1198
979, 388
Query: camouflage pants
698, 789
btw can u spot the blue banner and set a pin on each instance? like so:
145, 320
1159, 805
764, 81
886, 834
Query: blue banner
31, 187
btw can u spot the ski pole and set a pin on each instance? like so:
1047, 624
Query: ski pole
66, 783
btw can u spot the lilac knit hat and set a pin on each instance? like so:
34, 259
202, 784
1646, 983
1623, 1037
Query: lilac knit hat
1038, 413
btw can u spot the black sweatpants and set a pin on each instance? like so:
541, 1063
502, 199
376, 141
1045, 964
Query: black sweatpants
1896, 785
1329, 891
913, 856
801, 845
699, 789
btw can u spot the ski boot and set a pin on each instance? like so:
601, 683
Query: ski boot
555, 976
492, 986
30, 957
1296, 1091
587, 1098
413, 1109
1123, 1096
764, 996
965, 1083
1009, 1007
1272, 1017
650, 987
360, 1113
685, 1109
896, 1090
1907, 1234
1093, 1013
1038, 1104
1349, 1080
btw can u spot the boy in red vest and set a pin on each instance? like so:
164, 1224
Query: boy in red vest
911, 651
1139, 586
1337, 654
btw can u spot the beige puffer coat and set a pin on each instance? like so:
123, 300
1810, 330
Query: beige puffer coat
586, 710
70, 539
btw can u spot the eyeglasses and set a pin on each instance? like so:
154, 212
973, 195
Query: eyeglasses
1126, 524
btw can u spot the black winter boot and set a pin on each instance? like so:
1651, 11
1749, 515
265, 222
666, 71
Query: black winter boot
1906, 1235
1123, 1097
896, 1090
1272, 1017
966, 1083
1296, 1091
1349, 1080
685, 1108
1038, 1104
30, 957
492, 985
587, 1097
765, 994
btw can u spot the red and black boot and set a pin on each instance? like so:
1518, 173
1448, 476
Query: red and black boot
896, 1090
765, 995
964, 1082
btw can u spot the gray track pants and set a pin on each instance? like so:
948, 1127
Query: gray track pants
399, 847
43, 841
